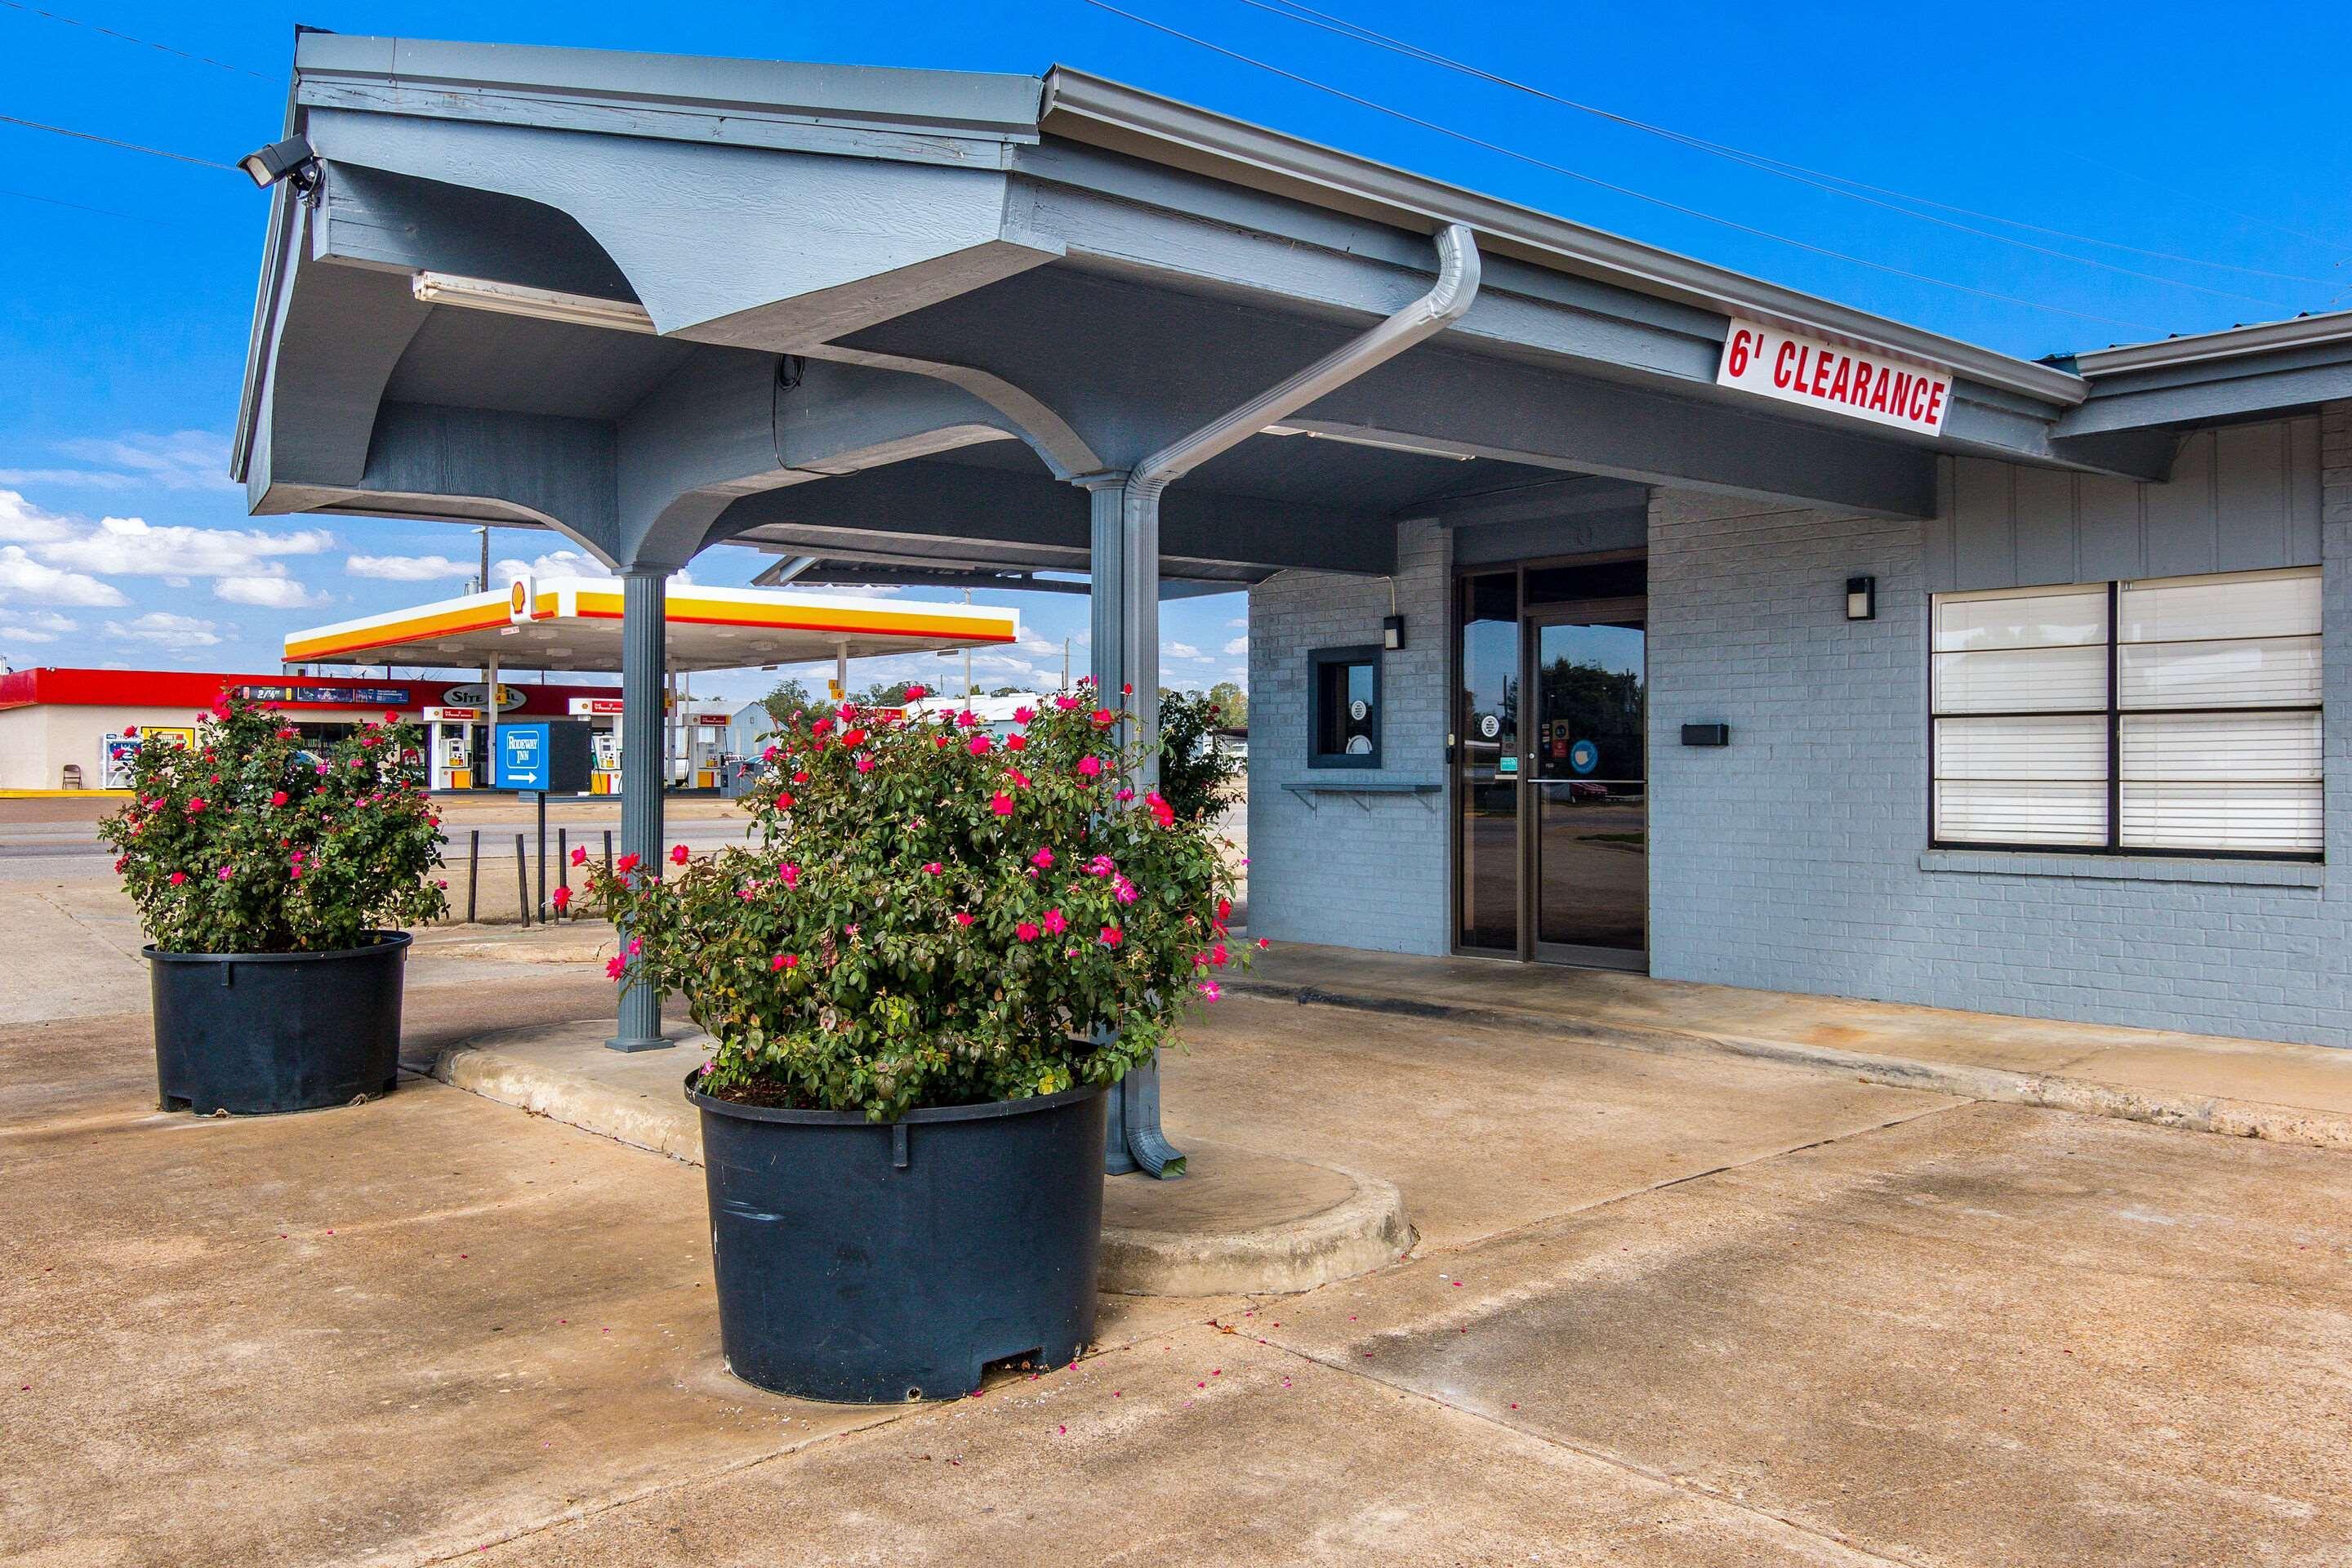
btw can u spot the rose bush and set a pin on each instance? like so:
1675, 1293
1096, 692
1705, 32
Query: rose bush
934, 917
254, 840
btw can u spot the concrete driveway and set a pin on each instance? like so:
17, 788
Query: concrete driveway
1666, 1310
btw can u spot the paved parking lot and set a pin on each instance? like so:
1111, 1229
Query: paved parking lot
1667, 1308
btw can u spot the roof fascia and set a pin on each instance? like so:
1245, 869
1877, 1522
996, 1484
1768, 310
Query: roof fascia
1108, 114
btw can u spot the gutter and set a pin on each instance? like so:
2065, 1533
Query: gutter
1445, 304
1103, 113
2302, 331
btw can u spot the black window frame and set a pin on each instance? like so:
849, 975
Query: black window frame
2114, 713
1318, 662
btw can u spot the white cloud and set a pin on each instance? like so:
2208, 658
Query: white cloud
1238, 648
408, 568
562, 563
271, 593
1239, 624
23, 523
40, 625
184, 460
23, 577
171, 630
1184, 650
131, 546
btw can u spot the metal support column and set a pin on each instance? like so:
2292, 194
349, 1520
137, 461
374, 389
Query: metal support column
643, 611
1125, 605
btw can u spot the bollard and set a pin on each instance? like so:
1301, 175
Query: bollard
608, 852
563, 859
523, 880
473, 872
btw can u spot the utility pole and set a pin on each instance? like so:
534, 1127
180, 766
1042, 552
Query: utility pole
489, 683
967, 658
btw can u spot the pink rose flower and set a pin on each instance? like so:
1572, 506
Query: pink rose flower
1020, 716
963, 917
1110, 937
561, 897
678, 854
614, 965
1089, 766
1055, 923
978, 746
1026, 931
1044, 857
784, 961
1001, 804
178, 877
579, 856
931, 867
278, 797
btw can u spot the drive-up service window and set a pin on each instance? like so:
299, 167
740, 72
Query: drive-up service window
2170, 716
1343, 708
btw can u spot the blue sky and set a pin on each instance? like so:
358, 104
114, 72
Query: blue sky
2154, 128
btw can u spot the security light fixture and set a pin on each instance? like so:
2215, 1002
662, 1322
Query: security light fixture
291, 159
1862, 598
1393, 632
540, 304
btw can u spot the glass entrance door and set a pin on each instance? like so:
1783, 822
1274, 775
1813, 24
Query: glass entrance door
1588, 790
1550, 765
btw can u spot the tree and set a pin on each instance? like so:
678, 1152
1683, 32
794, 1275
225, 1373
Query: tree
1231, 704
1195, 773
884, 694
789, 698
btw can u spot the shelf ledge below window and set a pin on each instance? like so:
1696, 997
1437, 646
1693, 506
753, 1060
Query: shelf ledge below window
2125, 867
1308, 789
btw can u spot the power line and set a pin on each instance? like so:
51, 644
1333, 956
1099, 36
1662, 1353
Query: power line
125, 37
1307, 15
1607, 185
78, 206
111, 142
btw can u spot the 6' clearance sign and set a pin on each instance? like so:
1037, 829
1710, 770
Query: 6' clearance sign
1857, 383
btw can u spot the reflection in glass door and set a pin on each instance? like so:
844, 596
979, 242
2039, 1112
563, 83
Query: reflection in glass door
1588, 785
1550, 766
1487, 730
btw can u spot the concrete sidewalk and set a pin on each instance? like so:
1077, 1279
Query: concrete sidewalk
2251, 1088
1670, 1309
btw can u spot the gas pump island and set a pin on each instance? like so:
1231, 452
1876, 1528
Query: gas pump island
573, 624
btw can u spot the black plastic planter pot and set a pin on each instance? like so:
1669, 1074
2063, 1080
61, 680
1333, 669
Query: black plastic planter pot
871, 1262
250, 1032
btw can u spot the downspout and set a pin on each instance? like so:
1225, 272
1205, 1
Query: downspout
1445, 304
1136, 1101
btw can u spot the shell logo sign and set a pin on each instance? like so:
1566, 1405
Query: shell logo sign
521, 594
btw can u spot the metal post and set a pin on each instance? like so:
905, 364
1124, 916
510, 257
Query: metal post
488, 777
644, 608
608, 852
564, 858
523, 881
473, 872
1125, 621
540, 906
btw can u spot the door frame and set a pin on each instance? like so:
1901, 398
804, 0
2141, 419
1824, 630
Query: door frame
1528, 950
1579, 612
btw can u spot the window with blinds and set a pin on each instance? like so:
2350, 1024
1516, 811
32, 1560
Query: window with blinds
2180, 715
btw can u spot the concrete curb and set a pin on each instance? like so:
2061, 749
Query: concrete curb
574, 1101
2231, 1118
1362, 1232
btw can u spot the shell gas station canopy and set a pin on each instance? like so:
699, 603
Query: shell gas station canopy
575, 624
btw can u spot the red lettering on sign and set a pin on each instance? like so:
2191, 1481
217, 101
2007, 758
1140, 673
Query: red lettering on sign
1935, 402
1844, 381
1918, 396
1878, 392
1821, 375
1902, 394
1735, 358
1780, 365
1861, 393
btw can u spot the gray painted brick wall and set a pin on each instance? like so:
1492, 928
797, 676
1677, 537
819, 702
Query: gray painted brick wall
1354, 871
1795, 859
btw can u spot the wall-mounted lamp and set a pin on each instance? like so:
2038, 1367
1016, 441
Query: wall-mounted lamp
1862, 598
1393, 632
291, 159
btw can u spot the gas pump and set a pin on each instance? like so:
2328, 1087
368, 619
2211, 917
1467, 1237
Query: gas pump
449, 742
603, 742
